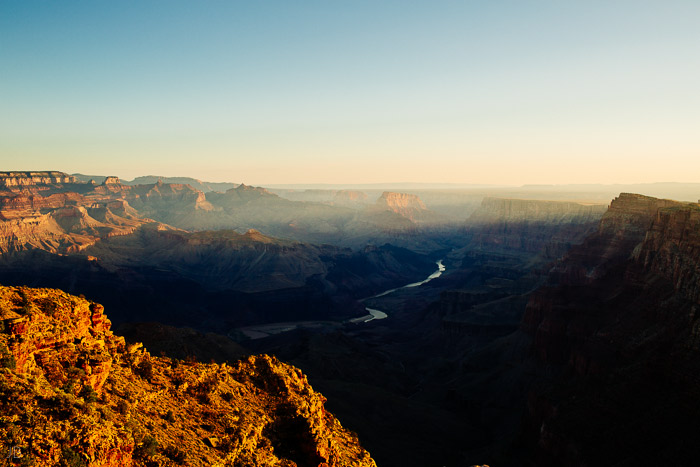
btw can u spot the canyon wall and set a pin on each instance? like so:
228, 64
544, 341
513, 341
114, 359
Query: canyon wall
616, 325
72, 392
546, 228
24, 179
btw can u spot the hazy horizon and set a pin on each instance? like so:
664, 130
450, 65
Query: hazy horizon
504, 93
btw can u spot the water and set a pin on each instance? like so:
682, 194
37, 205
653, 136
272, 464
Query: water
265, 330
378, 314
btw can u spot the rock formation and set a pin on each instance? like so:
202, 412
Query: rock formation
73, 393
520, 226
407, 205
205, 187
25, 179
351, 198
616, 326
502, 209
61, 222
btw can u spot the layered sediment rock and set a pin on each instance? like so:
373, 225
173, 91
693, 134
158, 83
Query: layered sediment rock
25, 179
55, 212
350, 198
546, 228
504, 209
408, 205
162, 200
73, 393
61, 225
618, 323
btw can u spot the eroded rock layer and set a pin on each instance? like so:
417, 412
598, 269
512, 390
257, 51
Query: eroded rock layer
548, 228
73, 393
617, 330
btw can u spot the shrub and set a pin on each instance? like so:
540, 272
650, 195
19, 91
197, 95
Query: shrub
75, 372
170, 416
147, 448
7, 359
178, 379
174, 454
145, 369
206, 386
123, 407
68, 386
129, 395
88, 393
70, 458
106, 413
48, 306
25, 461
24, 305
63, 405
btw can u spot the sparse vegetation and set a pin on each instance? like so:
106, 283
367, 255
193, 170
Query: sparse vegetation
89, 394
123, 407
56, 413
63, 405
106, 413
71, 458
175, 454
147, 448
145, 369
7, 360
24, 304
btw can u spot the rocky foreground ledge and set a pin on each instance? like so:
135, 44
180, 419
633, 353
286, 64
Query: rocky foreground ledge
72, 393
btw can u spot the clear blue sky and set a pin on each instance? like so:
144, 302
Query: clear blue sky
505, 92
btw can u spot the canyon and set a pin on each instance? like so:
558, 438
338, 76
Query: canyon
82, 236
561, 332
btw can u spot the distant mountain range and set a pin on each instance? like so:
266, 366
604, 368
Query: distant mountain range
150, 179
141, 239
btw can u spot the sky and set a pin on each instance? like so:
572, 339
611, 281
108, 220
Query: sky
272, 92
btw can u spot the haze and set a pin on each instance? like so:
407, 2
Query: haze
353, 92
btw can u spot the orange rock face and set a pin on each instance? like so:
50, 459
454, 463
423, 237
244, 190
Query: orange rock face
407, 205
71, 391
54, 212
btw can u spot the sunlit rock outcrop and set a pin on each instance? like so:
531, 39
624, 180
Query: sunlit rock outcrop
73, 393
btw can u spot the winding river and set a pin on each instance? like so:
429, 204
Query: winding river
378, 314
265, 330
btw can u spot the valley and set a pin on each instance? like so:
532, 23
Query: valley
349, 234
481, 340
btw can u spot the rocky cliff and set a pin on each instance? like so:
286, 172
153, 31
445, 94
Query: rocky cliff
193, 182
546, 228
167, 202
25, 179
616, 327
73, 393
341, 219
351, 198
61, 222
55, 212
504, 209
408, 205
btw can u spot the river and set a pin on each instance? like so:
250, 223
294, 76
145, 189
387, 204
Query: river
265, 330
378, 314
